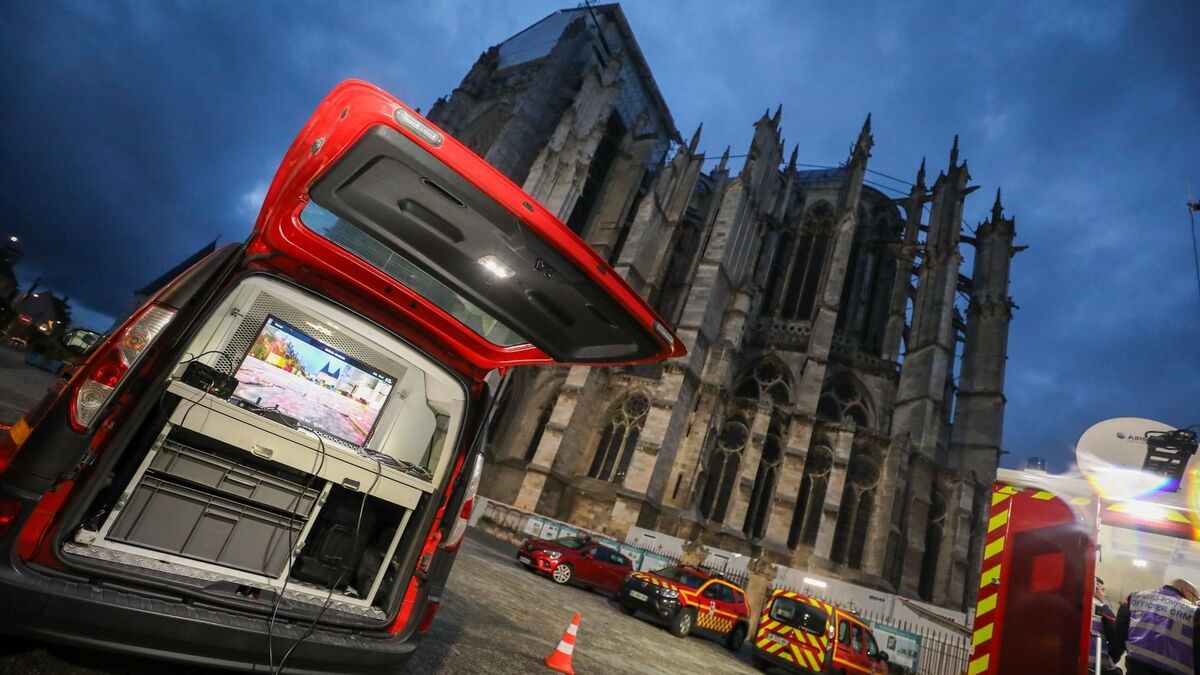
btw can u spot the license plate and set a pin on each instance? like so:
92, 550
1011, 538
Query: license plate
777, 639
639, 596
524, 560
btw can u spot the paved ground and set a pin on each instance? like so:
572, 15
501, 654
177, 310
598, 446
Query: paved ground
496, 617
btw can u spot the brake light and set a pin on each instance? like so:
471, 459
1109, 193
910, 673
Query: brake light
105, 370
9, 510
464, 515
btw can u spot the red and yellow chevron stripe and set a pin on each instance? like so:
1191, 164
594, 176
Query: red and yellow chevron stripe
802, 648
993, 577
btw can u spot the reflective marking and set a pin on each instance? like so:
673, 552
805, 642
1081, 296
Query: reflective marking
993, 548
566, 648
978, 665
985, 605
982, 635
572, 629
1081, 501
1043, 495
998, 520
989, 576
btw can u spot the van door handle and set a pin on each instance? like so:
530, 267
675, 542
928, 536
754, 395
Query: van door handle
261, 451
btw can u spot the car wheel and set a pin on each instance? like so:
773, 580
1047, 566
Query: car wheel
733, 641
683, 622
628, 610
562, 573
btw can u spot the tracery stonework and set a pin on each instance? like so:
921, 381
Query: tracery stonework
841, 403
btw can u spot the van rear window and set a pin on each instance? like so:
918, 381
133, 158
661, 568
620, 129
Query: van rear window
361, 243
798, 614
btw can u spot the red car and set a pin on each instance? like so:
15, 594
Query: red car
272, 461
577, 560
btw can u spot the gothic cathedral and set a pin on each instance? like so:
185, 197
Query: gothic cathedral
841, 403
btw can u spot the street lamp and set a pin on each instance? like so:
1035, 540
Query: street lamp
13, 239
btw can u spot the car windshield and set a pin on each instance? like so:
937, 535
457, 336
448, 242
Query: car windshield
359, 242
570, 542
682, 576
802, 615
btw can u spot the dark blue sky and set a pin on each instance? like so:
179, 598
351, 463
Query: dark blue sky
133, 133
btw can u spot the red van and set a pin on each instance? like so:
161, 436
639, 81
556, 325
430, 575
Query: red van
272, 461
806, 635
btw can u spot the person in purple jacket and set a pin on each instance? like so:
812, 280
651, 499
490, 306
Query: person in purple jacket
1158, 630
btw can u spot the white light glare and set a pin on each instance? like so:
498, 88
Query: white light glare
815, 582
1145, 511
1139, 563
493, 264
13, 239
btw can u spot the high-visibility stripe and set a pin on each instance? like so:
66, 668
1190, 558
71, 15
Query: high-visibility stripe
993, 548
1043, 495
763, 642
978, 665
812, 661
1081, 501
985, 605
566, 648
773, 647
982, 635
998, 520
989, 576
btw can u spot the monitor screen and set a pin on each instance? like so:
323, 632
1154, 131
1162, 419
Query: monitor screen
322, 389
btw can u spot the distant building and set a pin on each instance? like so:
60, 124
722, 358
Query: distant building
841, 404
39, 312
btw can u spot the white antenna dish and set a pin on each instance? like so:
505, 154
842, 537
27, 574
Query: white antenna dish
1117, 460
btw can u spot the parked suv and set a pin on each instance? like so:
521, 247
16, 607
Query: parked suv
577, 560
802, 634
688, 598
273, 460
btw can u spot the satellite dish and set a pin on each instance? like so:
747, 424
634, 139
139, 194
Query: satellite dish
1129, 457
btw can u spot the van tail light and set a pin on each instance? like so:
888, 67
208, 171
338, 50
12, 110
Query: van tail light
113, 361
464, 515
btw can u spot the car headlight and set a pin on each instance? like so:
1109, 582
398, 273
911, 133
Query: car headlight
553, 555
670, 594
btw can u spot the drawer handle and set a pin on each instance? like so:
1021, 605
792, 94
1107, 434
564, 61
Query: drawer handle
262, 451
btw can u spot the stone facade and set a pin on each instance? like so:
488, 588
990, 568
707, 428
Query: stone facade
841, 403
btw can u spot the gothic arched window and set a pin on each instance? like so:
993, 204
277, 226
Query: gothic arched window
854, 514
800, 292
615, 450
723, 463
843, 399
766, 382
806, 521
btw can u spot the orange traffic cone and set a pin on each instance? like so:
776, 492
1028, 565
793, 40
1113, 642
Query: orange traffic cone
560, 659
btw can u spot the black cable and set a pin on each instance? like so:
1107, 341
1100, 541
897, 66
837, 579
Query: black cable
328, 598
291, 557
1192, 207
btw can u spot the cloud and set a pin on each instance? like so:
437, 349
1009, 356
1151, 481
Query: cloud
251, 202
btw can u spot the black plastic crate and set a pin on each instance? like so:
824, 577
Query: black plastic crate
173, 518
228, 477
